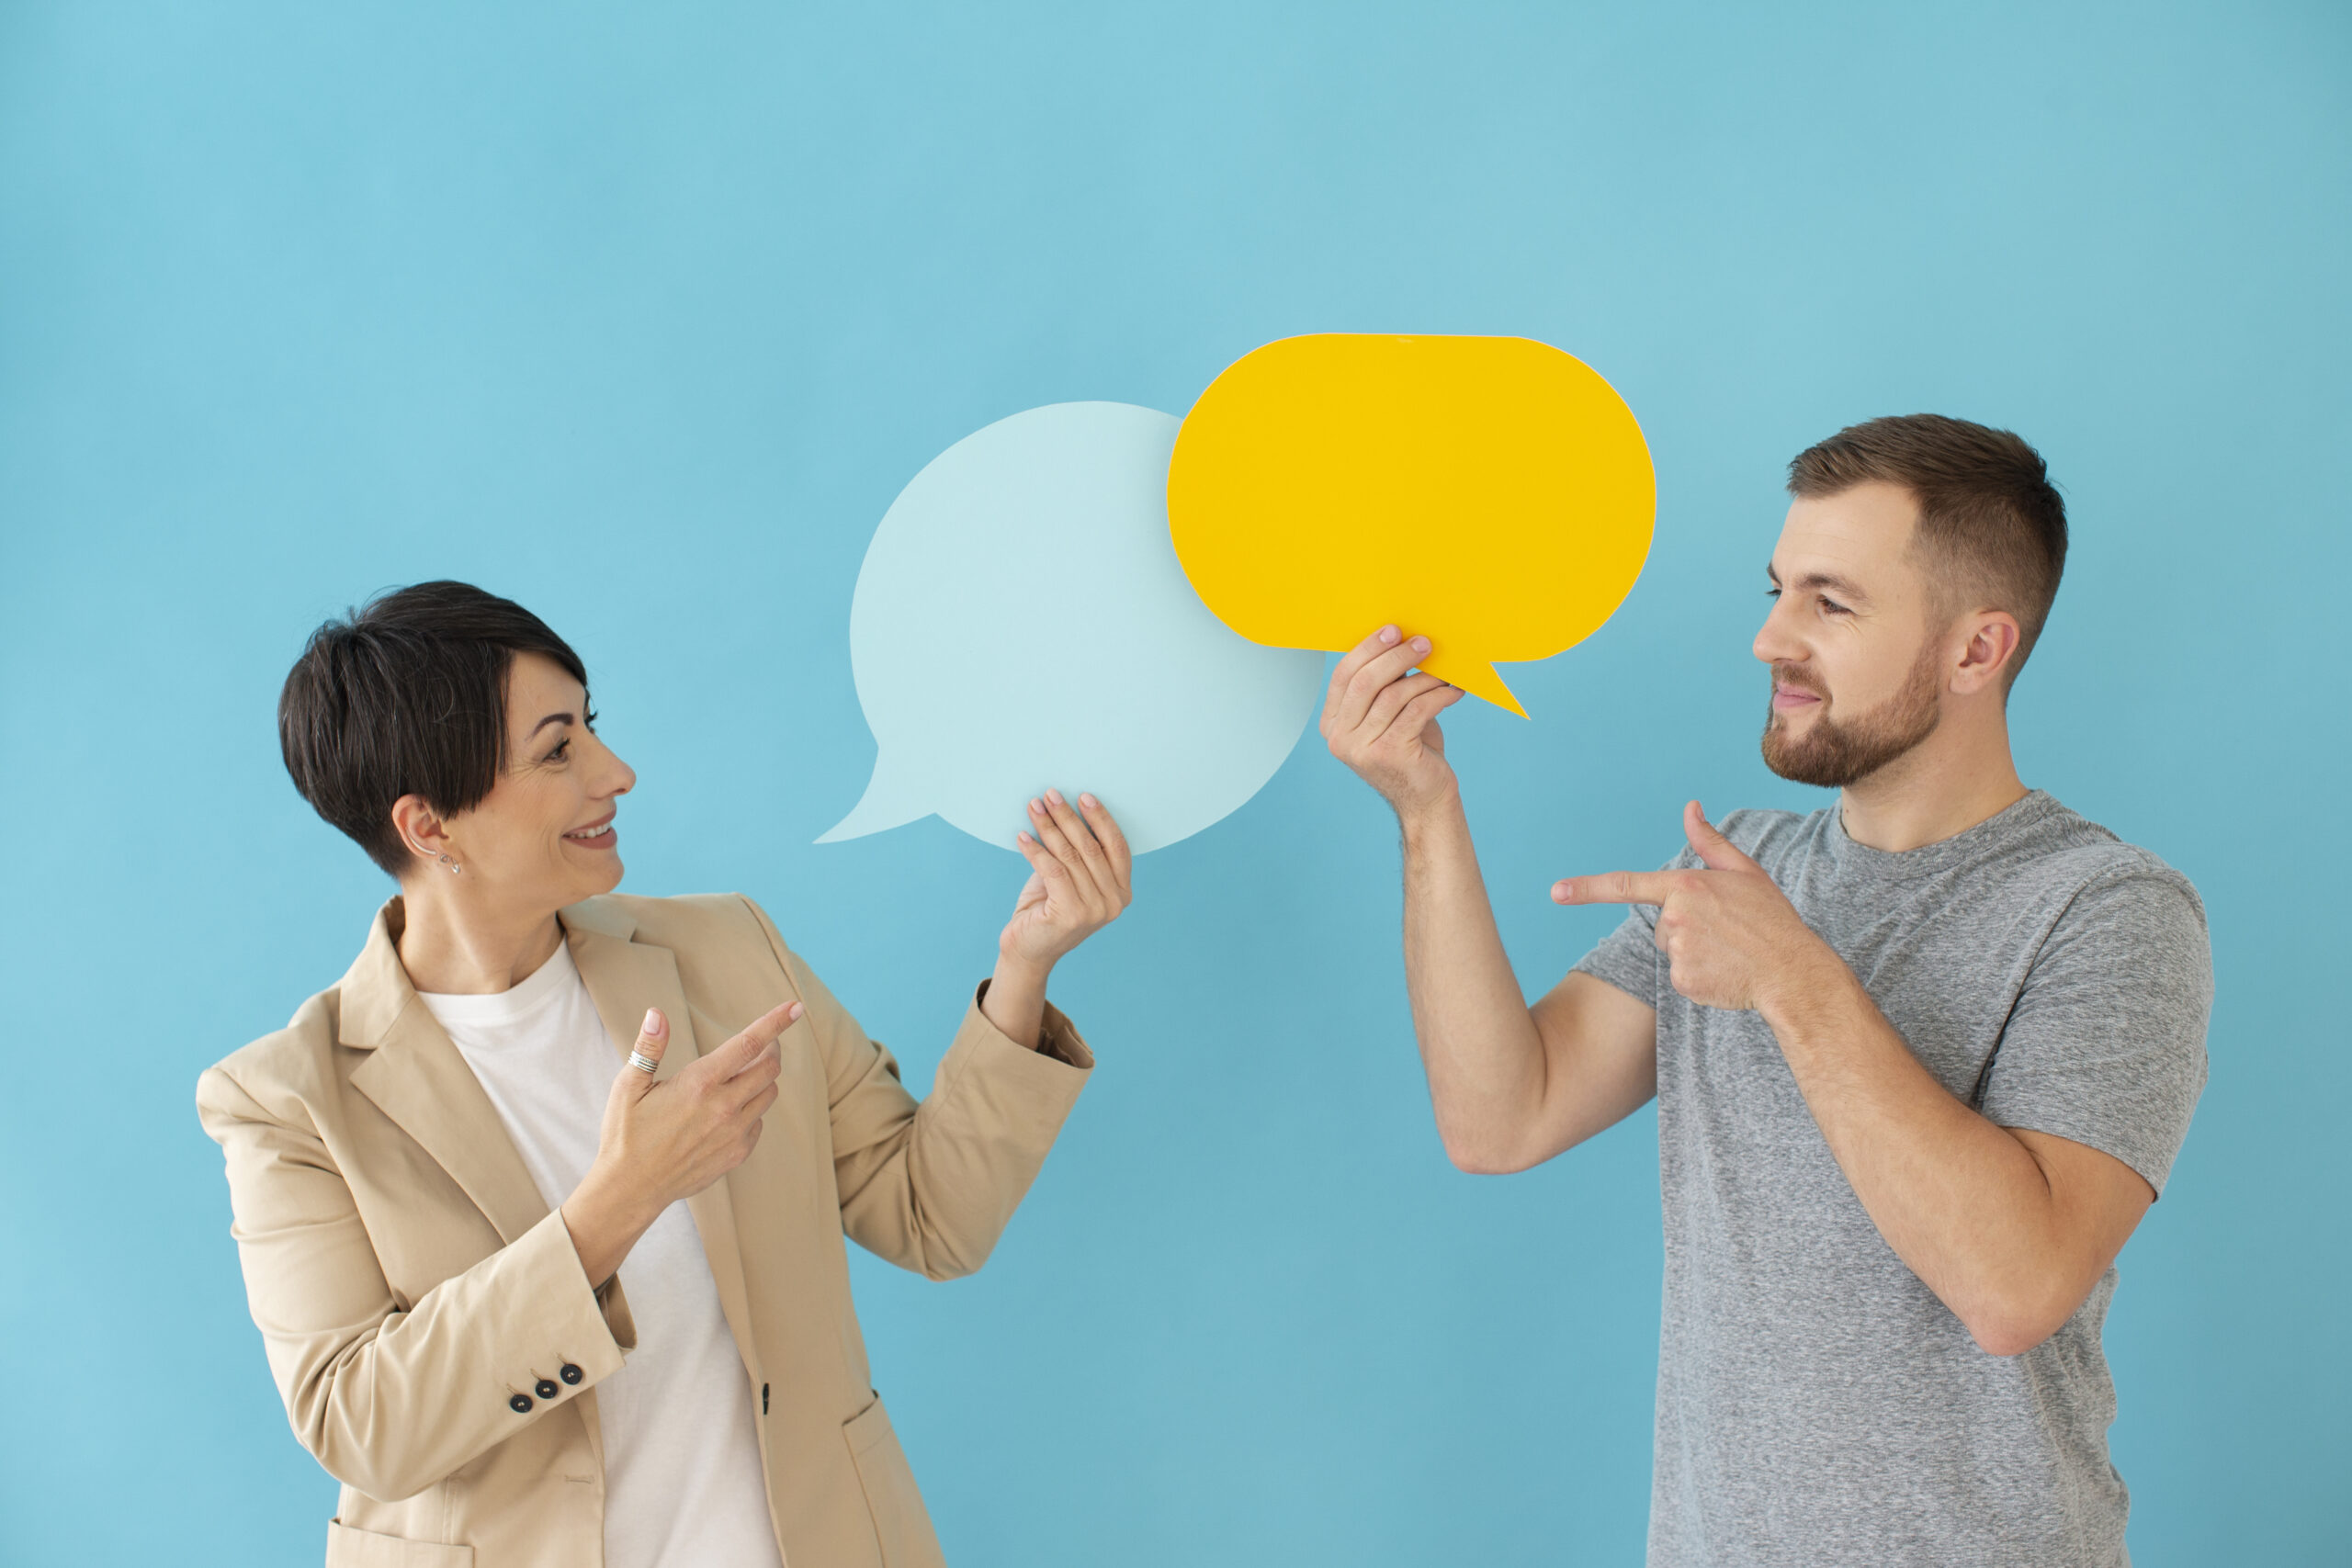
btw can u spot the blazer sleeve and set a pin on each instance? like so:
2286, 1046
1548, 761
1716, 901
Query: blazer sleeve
392, 1398
930, 1184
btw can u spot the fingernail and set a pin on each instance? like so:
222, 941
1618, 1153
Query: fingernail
1037, 808
1388, 634
1026, 838
1056, 796
1421, 645
1089, 802
652, 1022
792, 1013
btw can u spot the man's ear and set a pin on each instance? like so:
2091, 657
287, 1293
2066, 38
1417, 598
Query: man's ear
420, 828
1992, 645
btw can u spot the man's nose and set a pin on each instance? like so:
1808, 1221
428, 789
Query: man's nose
1773, 644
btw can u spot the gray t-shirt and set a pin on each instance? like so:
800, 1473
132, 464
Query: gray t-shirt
1818, 1405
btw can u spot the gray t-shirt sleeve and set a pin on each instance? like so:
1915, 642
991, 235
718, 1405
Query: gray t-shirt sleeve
2106, 1044
1628, 957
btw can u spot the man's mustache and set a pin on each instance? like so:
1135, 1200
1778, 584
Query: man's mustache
1797, 678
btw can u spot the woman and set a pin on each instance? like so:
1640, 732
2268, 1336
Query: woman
532, 1303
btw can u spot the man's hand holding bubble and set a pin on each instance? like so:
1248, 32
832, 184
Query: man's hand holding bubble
1380, 719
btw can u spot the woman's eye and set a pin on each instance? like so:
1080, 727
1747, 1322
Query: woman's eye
558, 754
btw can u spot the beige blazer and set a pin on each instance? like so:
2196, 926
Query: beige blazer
413, 1291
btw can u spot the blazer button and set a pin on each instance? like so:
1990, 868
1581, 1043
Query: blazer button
570, 1373
545, 1388
520, 1405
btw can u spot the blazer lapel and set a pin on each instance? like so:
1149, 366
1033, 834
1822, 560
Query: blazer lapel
625, 977
418, 1078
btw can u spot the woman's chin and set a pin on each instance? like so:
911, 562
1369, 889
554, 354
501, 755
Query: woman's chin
587, 877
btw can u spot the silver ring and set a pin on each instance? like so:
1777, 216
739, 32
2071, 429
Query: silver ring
642, 1063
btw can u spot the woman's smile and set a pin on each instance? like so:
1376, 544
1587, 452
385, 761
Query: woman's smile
598, 835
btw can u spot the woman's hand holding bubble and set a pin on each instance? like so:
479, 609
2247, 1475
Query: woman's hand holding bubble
1081, 875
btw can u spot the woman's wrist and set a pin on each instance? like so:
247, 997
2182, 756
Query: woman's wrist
1015, 999
605, 1219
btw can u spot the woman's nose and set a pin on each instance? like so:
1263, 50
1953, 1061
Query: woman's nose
619, 778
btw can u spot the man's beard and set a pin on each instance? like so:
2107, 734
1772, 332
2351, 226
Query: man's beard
1835, 755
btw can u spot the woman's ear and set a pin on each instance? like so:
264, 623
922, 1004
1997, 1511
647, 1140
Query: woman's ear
1993, 642
422, 830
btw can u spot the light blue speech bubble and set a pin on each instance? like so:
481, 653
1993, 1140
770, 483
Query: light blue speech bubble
1021, 622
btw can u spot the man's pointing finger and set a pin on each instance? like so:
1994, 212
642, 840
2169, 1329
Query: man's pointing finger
1614, 888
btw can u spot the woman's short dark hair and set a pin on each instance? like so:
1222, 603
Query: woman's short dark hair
407, 695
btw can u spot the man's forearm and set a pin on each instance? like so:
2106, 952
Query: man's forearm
1964, 1203
1478, 1041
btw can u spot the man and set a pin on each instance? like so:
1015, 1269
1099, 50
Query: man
1922, 1061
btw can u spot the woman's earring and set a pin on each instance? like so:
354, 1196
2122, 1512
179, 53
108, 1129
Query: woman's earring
453, 866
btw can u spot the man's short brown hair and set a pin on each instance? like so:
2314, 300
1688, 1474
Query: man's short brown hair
1992, 530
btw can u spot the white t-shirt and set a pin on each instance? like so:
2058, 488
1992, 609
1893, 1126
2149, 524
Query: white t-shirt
683, 1485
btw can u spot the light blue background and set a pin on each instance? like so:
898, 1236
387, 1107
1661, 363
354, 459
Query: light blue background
644, 314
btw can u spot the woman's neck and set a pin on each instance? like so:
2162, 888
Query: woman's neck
453, 945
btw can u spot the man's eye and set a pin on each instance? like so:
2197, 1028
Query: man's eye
1835, 608
1771, 594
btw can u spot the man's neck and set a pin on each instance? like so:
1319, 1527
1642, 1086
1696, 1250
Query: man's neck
1948, 782
453, 945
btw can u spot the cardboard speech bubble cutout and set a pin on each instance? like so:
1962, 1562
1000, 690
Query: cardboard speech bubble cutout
1492, 493
1020, 621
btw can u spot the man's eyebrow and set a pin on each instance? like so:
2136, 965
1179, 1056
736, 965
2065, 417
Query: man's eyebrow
1824, 581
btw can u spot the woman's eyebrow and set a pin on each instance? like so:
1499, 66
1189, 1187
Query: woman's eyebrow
552, 718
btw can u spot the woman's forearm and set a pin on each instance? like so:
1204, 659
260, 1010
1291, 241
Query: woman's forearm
395, 1407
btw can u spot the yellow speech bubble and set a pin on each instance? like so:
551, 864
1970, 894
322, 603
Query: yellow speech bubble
1492, 493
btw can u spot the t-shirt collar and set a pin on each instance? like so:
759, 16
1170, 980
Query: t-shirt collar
1944, 854
511, 1006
